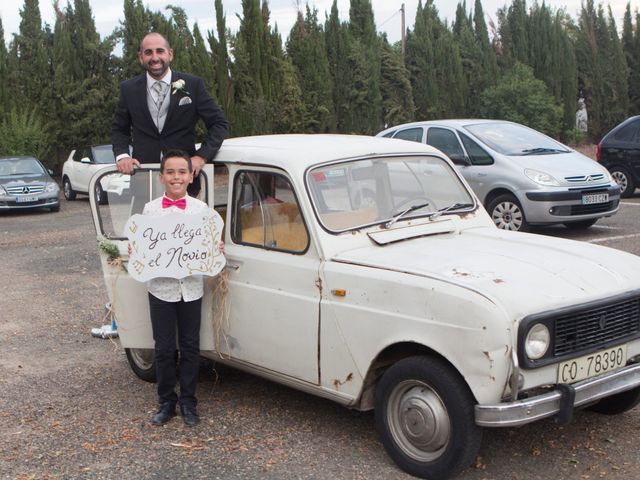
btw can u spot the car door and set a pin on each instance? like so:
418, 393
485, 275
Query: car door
273, 271
84, 168
459, 146
128, 297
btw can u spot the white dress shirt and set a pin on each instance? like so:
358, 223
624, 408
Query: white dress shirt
173, 289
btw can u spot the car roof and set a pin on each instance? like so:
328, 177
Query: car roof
302, 151
18, 157
450, 122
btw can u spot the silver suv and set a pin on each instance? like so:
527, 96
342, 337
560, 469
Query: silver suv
521, 176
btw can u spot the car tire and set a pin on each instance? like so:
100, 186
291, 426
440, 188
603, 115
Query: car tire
618, 403
624, 180
424, 413
142, 362
101, 197
507, 213
67, 189
55, 208
581, 225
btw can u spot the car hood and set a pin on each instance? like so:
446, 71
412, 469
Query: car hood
26, 179
560, 165
523, 273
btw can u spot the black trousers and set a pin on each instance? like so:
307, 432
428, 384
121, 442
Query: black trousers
166, 319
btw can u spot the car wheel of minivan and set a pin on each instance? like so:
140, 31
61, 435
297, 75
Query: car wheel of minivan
142, 362
67, 189
624, 180
506, 212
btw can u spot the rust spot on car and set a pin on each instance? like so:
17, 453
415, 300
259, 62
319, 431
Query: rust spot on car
337, 383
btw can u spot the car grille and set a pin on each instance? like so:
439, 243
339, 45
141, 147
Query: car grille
593, 208
596, 177
25, 190
596, 327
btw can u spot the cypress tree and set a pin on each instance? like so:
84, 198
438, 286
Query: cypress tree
489, 61
4, 75
471, 56
601, 69
32, 57
135, 26
395, 87
201, 61
363, 30
222, 68
308, 54
631, 47
338, 43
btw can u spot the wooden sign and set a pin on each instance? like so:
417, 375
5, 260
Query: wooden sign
175, 245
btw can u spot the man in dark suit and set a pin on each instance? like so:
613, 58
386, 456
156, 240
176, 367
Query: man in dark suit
159, 109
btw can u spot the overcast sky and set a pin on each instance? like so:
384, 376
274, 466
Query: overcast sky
107, 15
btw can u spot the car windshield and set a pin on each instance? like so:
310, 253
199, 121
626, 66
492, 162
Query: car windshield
103, 154
353, 194
20, 166
514, 139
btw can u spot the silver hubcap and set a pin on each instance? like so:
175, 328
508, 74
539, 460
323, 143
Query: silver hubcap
621, 180
507, 216
67, 188
98, 193
143, 357
418, 420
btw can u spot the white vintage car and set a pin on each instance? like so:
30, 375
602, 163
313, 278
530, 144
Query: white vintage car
364, 270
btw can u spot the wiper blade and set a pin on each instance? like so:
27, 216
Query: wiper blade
398, 216
455, 206
533, 151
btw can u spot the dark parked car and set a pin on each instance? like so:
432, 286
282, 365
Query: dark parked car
619, 152
25, 183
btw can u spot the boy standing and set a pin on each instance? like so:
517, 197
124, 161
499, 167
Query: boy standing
175, 303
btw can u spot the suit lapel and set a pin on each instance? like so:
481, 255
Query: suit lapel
173, 99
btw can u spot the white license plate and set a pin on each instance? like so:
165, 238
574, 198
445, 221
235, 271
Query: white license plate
593, 364
595, 198
28, 198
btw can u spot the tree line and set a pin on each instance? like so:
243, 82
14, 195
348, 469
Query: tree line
59, 84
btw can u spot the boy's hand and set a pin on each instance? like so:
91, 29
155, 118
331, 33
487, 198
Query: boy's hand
129, 248
221, 246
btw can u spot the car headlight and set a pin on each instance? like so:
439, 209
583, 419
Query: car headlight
541, 178
51, 187
537, 342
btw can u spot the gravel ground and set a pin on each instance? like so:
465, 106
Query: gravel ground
71, 408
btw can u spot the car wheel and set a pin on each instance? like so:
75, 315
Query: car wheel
624, 180
618, 403
425, 415
142, 362
69, 194
581, 225
101, 197
506, 212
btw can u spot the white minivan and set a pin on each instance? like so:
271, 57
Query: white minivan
521, 176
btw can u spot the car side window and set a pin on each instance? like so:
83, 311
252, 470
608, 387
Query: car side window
390, 134
477, 154
79, 154
411, 134
628, 133
445, 141
266, 213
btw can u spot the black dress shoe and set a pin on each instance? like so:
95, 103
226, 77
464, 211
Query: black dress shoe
189, 415
165, 413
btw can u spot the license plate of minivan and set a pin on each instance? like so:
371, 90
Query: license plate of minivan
595, 198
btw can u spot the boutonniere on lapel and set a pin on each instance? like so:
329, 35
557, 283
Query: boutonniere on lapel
178, 86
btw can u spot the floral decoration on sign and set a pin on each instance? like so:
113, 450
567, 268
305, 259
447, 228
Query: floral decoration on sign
178, 86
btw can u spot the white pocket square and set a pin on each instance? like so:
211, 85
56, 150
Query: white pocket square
184, 101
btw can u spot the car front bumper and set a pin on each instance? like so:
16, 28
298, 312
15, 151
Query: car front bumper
560, 401
547, 207
43, 201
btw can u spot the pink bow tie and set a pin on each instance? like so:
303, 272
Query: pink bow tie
167, 202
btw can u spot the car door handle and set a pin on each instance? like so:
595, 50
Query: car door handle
232, 266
